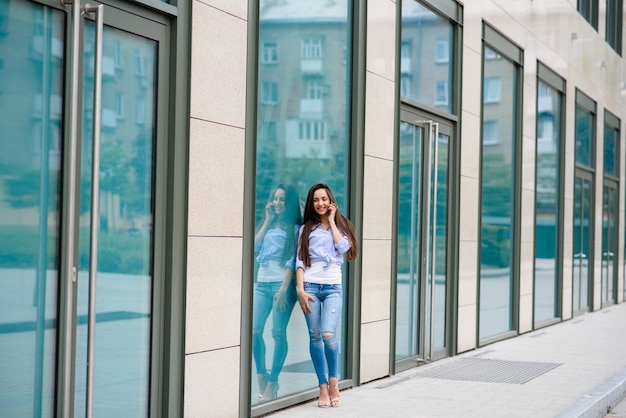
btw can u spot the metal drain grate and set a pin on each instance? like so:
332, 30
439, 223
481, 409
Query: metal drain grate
490, 371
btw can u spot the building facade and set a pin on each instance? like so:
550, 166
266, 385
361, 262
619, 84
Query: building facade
476, 147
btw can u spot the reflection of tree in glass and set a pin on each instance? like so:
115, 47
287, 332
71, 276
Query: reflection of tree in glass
497, 200
274, 168
23, 190
583, 137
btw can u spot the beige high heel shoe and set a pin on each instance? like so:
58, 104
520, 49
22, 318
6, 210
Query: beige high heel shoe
270, 393
320, 403
333, 386
262, 379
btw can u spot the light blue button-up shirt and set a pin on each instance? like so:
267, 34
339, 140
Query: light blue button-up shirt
322, 248
271, 248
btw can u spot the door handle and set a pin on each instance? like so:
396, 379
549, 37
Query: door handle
95, 202
65, 380
433, 261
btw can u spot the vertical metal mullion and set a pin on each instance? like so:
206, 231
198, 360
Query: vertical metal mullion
95, 212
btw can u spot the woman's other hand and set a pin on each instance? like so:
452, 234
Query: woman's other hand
282, 304
304, 299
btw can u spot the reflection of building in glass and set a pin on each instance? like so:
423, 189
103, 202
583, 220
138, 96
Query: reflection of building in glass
548, 118
302, 75
426, 57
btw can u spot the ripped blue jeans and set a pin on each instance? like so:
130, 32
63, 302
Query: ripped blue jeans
322, 323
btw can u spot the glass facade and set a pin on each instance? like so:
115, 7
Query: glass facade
408, 303
126, 214
589, 10
31, 125
422, 242
426, 80
303, 137
33, 143
500, 125
609, 242
547, 201
614, 17
427, 60
583, 203
610, 207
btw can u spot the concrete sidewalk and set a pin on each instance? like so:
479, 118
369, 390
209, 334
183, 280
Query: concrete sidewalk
576, 368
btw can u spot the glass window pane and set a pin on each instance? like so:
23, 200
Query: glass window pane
427, 45
125, 242
547, 201
609, 237
441, 244
582, 243
302, 139
31, 125
611, 136
614, 24
497, 185
409, 211
584, 137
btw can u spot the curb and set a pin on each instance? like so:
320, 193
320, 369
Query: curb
595, 403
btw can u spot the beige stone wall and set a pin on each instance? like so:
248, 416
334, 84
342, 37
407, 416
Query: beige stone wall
378, 189
216, 170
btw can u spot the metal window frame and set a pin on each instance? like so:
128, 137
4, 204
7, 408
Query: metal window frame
355, 180
554, 80
495, 40
454, 12
586, 173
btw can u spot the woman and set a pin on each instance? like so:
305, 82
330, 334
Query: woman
275, 246
326, 237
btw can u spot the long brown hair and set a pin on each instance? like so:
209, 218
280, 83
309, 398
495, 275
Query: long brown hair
291, 219
312, 219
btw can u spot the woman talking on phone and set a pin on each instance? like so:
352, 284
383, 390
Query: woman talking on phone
325, 238
274, 292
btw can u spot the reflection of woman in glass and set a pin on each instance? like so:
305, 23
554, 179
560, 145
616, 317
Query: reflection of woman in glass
325, 237
275, 245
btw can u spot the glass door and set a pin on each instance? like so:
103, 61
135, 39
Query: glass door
582, 244
123, 288
421, 282
78, 284
609, 242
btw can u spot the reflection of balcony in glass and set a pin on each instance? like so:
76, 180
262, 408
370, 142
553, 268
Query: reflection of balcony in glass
311, 107
307, 138
109, 118
55, 48
312, 66
311, 56
405, 65
54, 109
